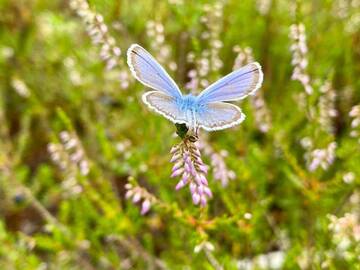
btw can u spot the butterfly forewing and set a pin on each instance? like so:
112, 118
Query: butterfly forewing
235, 86
149, 72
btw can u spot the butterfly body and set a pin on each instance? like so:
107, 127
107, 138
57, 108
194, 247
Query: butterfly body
190, 107
207, 110
188, 102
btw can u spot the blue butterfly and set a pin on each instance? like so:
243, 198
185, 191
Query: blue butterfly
207, 110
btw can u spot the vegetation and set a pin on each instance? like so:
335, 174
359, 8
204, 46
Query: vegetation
85, 165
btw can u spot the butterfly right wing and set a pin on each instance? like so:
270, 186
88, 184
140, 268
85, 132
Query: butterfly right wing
164, 105
234, 86
149, 72
219, 115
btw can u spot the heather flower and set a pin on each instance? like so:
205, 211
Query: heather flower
98, 31
73, 73
139, 195
209, 59
218, 164
194, 80
345, 230
349, 12
299, 52
244, 56
270, 260
353, 23
100, 36
355, 122
221, 171
248, 216
321, 157
212, 20
6, 52
123, 146
318, 157
20, 87
306, 143
156, 33
192, 170
327, 109
70, 157
341, 8
75, 151
348, 177
261, 112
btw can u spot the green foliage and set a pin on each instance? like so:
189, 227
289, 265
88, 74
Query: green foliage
71, 139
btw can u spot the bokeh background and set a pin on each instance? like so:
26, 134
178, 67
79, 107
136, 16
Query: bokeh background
78, 147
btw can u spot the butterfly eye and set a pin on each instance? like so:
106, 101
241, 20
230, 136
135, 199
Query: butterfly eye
193, 138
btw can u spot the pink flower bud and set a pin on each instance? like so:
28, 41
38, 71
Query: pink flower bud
187, 167
203, 200
187, 158
208, 192
180, 185
203, 179
197, 153
128, 186
192, 187
203, 168
137, 197
200, 190
185, 178
174, 149
199, 161
193, 170
198, 179
175, 157
177, 165
196, 198
145, 207
177, 172
129, 194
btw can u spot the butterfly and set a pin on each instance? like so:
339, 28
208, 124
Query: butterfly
208, 110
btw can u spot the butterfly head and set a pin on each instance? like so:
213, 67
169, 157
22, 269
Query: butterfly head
187, 134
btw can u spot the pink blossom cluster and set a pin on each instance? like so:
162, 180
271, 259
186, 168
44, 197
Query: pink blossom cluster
299, 60
189, 165
138, 194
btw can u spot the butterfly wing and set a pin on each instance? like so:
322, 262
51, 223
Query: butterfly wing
219, 115
149, 72
164, 105
235, 86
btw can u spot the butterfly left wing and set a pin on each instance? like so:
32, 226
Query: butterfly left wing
235, 86
149, 72
219, 115
164, 105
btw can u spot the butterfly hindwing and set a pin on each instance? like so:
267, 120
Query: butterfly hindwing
149, 72
219, 115
235, 86
164, 105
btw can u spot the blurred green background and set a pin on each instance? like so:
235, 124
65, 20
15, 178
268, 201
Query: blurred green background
74, 132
